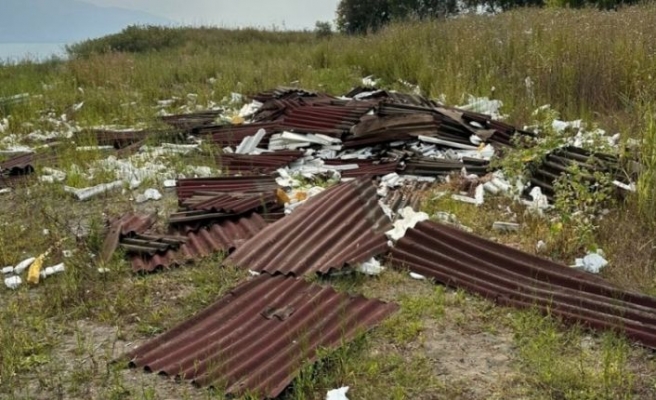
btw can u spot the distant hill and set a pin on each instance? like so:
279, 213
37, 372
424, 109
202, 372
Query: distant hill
64, 21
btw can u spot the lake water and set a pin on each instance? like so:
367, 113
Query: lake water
13, 52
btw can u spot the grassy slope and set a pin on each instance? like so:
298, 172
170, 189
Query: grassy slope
585, 63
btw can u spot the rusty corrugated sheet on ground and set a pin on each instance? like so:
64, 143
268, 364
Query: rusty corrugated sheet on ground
365, 167
374, 129
126, 225
257, 164
514, 278
343, 225
364, 93
26, 163
185, 188
560, 161
426, 166
229, 203
192, 120
410, 194
226, 235
232, 135
258, 337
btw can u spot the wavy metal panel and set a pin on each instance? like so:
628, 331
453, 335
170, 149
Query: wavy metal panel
343, 225
185, 188
260, 163
514, 278
128, 224
226, 235
257, 338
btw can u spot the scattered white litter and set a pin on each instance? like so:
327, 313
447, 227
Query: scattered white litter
51, 175
8, 270
149, 194
500, 226
5, 190
337, 394
541, 246
253, 273
94, 148
455, 145
592, 262
23, 265
169, 183
67, 253
409, 218
52, 270
87, 193
539, 203
371, 267
249, 109
103, 270
370, 81
484, 105
631, 187
13, 282
478, 199
417, 276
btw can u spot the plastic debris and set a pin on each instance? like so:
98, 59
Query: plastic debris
7, 270
417, 276
13, 282
539, 201
592, 262
169, 183
87, 193
409, 218
55, 269
5, 190
23, 265
250, 143
149, 194
338, 394
500, 226
371, 267
34, 272
541, 246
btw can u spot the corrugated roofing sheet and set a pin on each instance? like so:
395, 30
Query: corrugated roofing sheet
410, 194
126, 225
514, 278
427, 166
365, 167
343, 225
23, 164
257, 164
226, 235
185, 188
192, 120
257, 338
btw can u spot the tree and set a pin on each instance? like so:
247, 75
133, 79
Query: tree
323, 29
363, 16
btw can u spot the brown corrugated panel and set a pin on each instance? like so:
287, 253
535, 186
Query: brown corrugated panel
232, 135
26, 163
128, 224
230, 203
427, 166
343, 225
410, 194
365, 167
192, 120
226, 235
185, 188
257, 338
514, 278
257, 164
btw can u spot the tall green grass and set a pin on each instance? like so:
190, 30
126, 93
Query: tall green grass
585, 63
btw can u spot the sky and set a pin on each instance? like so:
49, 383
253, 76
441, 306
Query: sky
283, 14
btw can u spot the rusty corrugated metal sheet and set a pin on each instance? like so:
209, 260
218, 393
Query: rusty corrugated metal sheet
126, 225
230, 203
226, 235
514, 278
365, 167
23, 164
185, 188
232, 135
343, 225
426, 166
192, 120
256, 164
257, 338
557, 163
410, 194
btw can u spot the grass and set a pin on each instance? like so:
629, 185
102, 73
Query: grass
57, 340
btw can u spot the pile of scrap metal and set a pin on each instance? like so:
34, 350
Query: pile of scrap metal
241, 343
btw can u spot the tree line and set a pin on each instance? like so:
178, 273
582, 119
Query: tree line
364, 16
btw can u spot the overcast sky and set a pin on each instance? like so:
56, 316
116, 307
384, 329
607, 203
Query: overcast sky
288, 14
